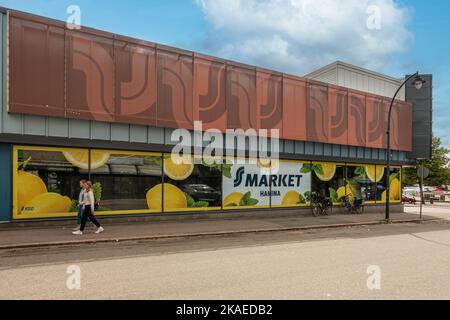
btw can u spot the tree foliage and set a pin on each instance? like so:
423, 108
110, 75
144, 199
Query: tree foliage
439, 166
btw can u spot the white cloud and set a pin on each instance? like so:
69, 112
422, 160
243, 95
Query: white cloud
297, 36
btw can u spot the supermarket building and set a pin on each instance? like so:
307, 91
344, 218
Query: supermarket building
88, 104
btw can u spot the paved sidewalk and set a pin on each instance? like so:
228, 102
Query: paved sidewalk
61, 235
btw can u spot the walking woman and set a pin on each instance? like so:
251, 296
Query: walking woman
88, 207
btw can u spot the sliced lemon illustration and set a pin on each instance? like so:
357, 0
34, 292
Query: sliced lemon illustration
329, 170
29, 186
267, 164
174, 198
80, 158
341, 192
178, 171
233, 199
373, 174
47, 203
291, 198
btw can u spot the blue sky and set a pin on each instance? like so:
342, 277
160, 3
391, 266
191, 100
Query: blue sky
413, 36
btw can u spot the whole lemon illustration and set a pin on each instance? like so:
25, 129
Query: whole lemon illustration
329, 171
174, 198
47, 203
178, 171
374, 173
350, 194
394, 191
291, 198
29, 186
233, 199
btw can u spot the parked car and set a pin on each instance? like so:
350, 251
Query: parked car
409, 199
203, 192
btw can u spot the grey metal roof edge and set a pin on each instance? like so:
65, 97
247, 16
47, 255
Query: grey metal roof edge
352, 67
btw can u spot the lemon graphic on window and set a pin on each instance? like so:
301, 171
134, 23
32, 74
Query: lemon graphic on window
291, 198
394, 191
328, 171
373, 174
174, 198
80, 158
267, 165
233, 199
341, 192
47, 203
178, 171
29, 186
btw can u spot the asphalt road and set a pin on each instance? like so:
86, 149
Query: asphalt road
413, 261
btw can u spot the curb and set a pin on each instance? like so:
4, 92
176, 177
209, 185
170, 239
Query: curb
202, 234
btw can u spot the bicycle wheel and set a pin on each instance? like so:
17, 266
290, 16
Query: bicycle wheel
316, 211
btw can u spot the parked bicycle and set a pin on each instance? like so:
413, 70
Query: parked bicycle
321, 205
357, 206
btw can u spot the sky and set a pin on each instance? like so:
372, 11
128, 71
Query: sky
394, 37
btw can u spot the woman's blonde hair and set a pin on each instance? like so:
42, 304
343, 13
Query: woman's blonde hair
88, 185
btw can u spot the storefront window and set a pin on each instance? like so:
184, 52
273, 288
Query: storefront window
192, 185
395, 185
328, 179
46, 182
361, 182
127, 181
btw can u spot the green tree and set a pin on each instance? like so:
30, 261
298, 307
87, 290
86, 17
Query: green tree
438, 166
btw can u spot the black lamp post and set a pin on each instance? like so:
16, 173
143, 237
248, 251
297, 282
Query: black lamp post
418, 82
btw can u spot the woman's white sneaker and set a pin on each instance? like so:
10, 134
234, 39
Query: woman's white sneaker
99, 230
77, 233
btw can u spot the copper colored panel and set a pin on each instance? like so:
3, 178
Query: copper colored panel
241, 98
294, 108
90, 77
210, 93
175, 90
401, 126
338, 115
135, 67
317, 113
268, 101
376, 121
36, 68
356, 119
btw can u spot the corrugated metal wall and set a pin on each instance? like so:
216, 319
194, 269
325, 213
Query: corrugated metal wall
115, 132
354, 78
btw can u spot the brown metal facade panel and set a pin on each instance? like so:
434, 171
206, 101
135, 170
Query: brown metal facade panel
269, 100
175, 90
36, 68
356, 118
405, 120
90, 77
338, 115
317, 113
241, 98
210, 93
294, 108
376, 120
95, 75
135, 83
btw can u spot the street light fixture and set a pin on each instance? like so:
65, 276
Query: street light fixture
418, 83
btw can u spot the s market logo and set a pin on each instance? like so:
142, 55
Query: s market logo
273, 180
